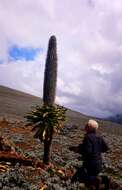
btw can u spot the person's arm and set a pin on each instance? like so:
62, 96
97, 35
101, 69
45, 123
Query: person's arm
105, 147
86, 147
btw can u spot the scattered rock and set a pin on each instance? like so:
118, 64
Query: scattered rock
65, 161
6, 145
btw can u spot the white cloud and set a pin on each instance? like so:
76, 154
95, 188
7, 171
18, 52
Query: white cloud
89, 50
23, 75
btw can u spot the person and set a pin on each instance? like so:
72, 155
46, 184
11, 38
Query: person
91, 149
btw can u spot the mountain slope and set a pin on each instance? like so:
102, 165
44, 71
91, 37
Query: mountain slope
16, 104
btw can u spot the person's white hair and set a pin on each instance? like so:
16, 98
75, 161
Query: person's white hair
92, 124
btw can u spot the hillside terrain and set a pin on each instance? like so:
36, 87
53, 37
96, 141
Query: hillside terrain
117, 118
15, 104
21, 167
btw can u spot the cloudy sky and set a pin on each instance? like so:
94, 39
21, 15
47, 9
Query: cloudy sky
89, 43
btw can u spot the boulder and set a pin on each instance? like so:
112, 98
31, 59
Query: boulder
6, 145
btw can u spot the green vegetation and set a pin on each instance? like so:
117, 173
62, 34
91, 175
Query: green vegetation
48, 118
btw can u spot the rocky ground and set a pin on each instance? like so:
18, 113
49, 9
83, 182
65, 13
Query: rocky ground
64, 162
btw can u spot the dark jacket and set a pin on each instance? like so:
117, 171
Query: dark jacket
91, 150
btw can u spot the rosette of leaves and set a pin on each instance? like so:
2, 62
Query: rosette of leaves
45, 120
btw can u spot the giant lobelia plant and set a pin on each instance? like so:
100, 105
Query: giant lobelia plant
48, 118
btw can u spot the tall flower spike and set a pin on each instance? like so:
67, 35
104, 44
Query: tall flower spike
50, 75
